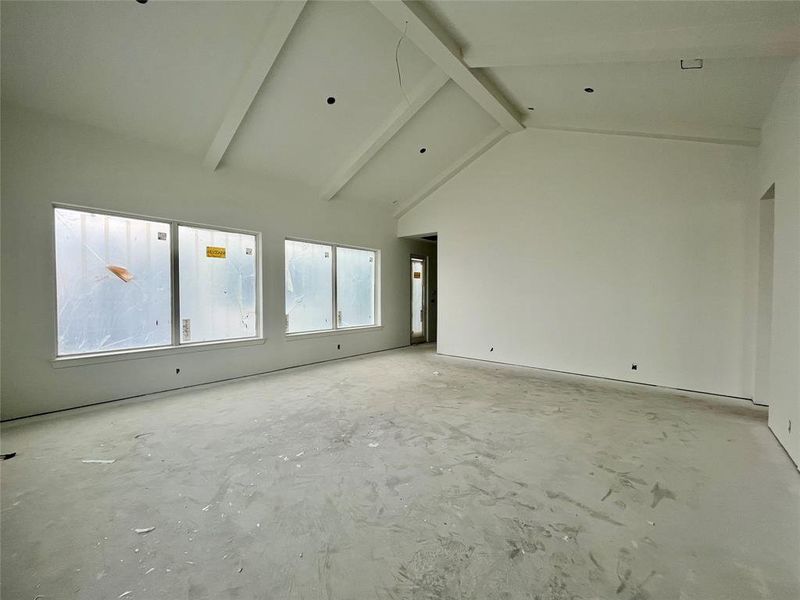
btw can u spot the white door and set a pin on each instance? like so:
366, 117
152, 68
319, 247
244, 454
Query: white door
418, 320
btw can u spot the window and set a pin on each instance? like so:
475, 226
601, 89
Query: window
311, 297
114, 283
355, 287
217, 284
309, 286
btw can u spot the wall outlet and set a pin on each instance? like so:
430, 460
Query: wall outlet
634, 367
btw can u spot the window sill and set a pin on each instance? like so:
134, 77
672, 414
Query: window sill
291, 337
106, 357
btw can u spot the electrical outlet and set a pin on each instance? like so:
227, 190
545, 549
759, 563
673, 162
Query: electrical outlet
634, 367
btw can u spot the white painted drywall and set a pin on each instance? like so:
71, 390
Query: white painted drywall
48, 160
586, 253
779, 163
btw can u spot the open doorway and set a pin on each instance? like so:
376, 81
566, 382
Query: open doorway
419, 294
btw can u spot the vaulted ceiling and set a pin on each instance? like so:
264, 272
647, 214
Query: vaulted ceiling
419, 89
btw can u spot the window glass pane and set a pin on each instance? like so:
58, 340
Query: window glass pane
355, 287
309, 286
217, 285
112, 282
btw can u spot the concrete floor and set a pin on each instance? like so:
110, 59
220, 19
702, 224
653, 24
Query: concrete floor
376, 477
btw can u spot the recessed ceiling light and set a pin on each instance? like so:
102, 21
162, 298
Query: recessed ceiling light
423, 150
589, 90
691, 64
331, 100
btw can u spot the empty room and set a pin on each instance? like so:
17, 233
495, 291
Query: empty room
400, 299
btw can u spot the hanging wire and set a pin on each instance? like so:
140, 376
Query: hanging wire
397, 62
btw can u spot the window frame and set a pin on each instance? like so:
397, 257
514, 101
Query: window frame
175, 344
335, 328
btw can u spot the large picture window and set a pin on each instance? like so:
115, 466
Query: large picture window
217, 284
329, 287
115, 283
355, 287
309, 286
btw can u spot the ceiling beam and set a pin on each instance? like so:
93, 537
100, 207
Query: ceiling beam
667, 130
280, 23
431, 84
454, 169
431, 38
730, 40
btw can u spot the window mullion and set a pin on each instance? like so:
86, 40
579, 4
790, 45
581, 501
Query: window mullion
334, 288
175, 292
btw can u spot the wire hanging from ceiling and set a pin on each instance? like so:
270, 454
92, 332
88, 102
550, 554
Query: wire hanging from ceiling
397, 62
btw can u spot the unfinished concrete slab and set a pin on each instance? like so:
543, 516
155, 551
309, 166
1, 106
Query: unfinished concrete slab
402, 474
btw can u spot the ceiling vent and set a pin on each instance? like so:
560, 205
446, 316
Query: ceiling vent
690, 64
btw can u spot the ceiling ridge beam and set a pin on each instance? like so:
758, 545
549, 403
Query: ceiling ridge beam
432, 39
454, 169
280, 23
431, 83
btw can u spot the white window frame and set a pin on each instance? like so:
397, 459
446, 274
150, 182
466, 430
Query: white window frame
335, 328
176, 345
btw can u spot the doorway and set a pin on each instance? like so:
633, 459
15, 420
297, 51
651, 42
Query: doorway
419, 306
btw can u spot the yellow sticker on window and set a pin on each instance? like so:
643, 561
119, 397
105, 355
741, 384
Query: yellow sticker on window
215, 252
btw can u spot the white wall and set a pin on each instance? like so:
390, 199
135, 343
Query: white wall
586, 253
779, 163
45, 160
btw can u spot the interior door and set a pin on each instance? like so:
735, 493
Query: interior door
419, 323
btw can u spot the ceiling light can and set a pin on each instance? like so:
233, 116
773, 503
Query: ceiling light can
689, 64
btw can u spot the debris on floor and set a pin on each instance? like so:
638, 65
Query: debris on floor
99, 461
144, 530
124, 594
